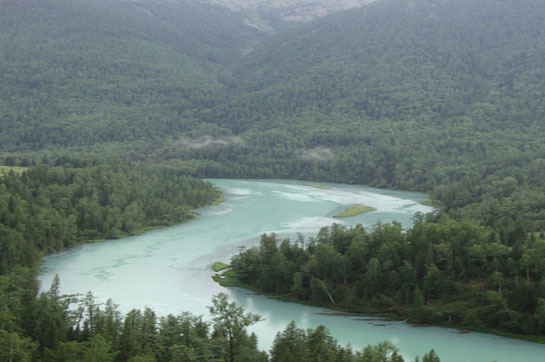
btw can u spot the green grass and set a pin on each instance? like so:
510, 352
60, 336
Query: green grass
18, 170
323, 187
428, 203
354, 210
219, 266
228, 279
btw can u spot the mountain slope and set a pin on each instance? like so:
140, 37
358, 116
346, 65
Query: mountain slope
80, 72
415, 56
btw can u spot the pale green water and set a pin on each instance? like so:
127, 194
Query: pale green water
169, 269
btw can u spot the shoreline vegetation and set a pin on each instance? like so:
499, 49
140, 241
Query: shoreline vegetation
137, 232
401, 273
354, 210
228, 279
429, 203
92, 211
220, 199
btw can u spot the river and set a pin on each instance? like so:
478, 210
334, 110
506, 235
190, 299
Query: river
169, 271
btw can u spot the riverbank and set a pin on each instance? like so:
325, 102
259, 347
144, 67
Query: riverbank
220, 200
144, 229
228, 279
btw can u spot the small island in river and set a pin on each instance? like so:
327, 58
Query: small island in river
323, 187
354, 210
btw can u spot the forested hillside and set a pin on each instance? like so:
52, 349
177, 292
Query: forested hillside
78, 72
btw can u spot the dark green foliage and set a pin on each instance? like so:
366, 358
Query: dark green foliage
48, 209
431, 356
294, 344
289, 345
89, 332
15, 348
383, 352
440, 271
141, 336
230, 325
80, 72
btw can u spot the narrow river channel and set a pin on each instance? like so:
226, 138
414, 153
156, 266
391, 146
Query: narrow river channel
169, 271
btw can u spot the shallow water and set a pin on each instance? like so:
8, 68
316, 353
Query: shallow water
169, 271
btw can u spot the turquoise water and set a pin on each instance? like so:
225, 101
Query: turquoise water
169, 271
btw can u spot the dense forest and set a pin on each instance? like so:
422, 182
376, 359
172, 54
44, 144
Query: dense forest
110, 110
441, 271
56, 207
91, 333
85, 72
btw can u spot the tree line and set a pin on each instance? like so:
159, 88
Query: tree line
68, 328
440, 271
48, 209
